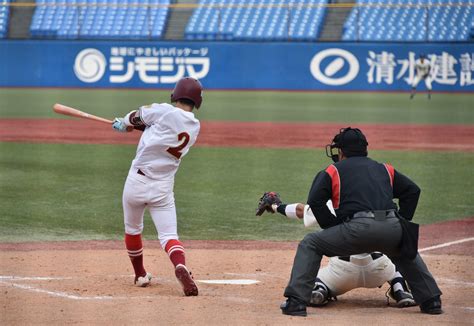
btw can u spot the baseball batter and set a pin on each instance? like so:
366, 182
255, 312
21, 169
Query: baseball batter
423, 69
343, 273
168, 133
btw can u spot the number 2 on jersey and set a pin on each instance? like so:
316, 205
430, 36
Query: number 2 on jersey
176, 151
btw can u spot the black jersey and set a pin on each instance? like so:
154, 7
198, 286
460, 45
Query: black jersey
358, 184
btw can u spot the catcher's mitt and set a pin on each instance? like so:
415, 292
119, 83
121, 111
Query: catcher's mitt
266, 201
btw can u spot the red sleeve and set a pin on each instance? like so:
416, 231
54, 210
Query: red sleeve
336, 185
391, 172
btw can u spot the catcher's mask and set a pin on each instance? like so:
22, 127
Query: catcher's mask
351, 141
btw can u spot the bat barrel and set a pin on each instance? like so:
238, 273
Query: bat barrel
72, 112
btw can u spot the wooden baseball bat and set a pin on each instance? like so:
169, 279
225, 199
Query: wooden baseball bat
66, 110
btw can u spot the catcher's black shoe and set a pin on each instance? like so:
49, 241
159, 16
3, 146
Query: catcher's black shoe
319, 297
402, 297
432, 306
293, 307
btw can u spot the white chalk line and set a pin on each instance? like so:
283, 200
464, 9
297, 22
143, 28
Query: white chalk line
456, 282
6, 281
9, 280
32, 278
62, 294
160, 280
446, 244
66, 295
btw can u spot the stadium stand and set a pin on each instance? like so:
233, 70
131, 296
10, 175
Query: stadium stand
471, 33
4, 11
444, 20
253, 20
99, 19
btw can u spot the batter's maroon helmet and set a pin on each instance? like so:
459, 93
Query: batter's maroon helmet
188, 88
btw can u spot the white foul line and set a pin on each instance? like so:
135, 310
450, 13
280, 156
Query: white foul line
446, 244
79, 298
34, 278
72, 296
61, 294
76, 297
456, 282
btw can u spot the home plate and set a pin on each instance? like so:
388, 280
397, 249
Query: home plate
237, 282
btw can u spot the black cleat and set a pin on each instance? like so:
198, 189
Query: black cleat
319, 297
403, 298
293, 307
432, 306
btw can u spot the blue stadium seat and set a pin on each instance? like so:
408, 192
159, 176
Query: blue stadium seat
471, 32
412, 20
4, 17
99, 19
257, 20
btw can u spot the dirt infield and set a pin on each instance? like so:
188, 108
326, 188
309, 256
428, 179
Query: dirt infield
90, 282
249, 134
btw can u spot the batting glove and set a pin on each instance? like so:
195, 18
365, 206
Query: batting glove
119, 125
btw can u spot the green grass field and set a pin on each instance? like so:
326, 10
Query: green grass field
72, 192
253, 106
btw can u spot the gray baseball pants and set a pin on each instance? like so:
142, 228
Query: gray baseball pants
354, 237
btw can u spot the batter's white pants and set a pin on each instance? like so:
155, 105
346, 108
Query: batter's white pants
141, 192
419, 78
341, 276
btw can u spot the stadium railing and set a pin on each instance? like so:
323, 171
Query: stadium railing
252, 20
409, 21
100, 19
267, 20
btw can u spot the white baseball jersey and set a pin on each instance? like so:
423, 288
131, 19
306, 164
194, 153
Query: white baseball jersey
422, 68
168, 135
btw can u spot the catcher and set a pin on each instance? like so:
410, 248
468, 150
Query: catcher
343, 273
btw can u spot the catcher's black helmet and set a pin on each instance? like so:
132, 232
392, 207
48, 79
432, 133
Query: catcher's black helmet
188, 88
351, 141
